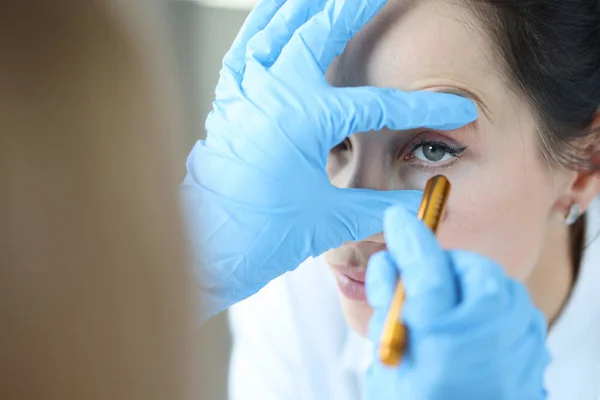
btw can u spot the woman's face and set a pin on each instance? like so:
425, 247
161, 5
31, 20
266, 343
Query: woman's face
504, 196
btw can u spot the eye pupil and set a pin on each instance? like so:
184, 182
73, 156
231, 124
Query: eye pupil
434, 153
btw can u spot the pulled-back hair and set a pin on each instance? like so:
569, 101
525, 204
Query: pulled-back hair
552, 52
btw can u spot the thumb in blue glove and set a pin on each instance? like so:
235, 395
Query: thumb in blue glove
257, 197
474, 333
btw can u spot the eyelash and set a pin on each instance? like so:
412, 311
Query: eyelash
455, 152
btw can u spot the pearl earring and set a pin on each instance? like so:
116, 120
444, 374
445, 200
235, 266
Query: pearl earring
574, 214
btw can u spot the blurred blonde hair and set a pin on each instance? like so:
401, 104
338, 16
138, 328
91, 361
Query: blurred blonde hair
95, 300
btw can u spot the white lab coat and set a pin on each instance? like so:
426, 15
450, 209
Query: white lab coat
291, 340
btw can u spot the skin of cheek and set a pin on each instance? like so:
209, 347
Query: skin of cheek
498, 213
503, 199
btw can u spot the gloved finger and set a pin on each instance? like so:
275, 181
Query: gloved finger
540, 359
366, 109
325, 35
266, 45
359, 212
259, 17
376, 324
484, 287
521, 313
499, 333
381, 280
426, 270
356, 214
384, 383
530, 357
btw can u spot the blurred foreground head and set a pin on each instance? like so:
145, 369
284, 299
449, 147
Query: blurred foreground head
94, 302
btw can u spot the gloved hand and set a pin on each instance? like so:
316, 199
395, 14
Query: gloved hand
473, 332
257, 198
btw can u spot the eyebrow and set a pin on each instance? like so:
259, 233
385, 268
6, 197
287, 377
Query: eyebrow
468, 95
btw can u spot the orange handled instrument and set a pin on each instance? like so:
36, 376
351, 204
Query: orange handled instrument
395, 334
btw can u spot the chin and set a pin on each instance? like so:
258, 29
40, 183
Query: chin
358, 315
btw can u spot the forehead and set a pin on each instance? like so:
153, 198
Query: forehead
420, 44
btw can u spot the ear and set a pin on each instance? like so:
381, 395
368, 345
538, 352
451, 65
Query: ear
584, 189
585, 185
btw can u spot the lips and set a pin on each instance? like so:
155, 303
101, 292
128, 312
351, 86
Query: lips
349, 265
351, 282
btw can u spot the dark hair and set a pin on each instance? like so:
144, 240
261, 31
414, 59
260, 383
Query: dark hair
552, 51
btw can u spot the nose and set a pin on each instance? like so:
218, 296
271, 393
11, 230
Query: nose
367, 171
356, 255
366, 163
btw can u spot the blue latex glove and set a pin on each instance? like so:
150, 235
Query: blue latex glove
474, 333
257, 197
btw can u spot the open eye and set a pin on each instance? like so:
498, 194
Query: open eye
432, 153
435, 152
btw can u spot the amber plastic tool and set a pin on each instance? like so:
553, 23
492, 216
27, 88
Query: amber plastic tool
395, 334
